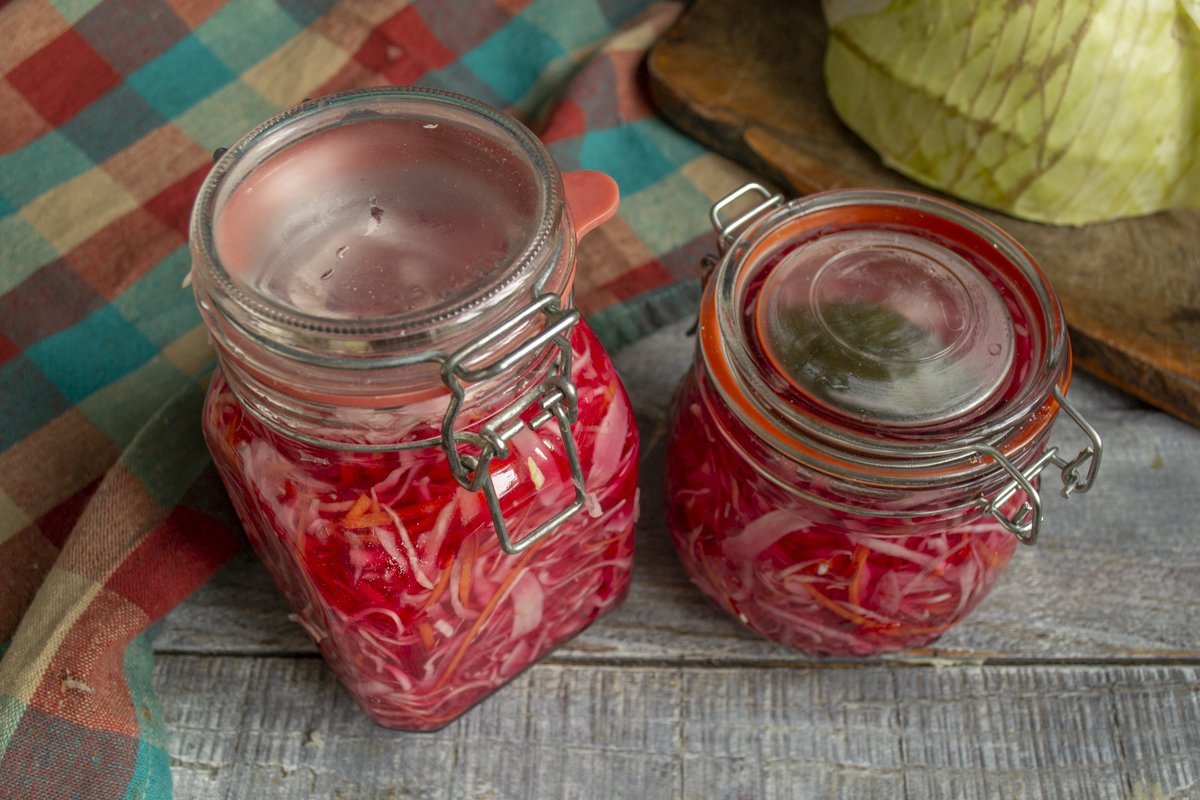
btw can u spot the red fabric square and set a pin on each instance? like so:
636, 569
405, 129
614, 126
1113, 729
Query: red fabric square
173, 205
27, 556
50, 300
177, 557
8, 349
404, 48
19, 123
127, 248
63, 77
566, 121
93, 653
631, 84
57, 523
52, 752
194, 12
646, 276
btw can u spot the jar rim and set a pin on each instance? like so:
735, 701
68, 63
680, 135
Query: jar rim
865, 449
391, 339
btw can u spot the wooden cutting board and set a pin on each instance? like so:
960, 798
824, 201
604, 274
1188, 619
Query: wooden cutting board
745, 77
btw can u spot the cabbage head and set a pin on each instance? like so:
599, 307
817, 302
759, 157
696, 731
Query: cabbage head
1060, 111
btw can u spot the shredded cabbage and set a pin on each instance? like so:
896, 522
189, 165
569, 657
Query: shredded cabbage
395, 570
808, 576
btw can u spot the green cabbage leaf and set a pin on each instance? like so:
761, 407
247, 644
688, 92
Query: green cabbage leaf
1059, 111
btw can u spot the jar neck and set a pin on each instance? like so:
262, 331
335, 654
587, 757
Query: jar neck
866, 453
345, 250
378, 422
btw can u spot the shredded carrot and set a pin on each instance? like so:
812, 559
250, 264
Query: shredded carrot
610, 391
909, 630
605, 543
437, 589
468, 569
426, 631
367, 520
359, 508
891, 629
860, 562
360, 517
483, 617
844, 613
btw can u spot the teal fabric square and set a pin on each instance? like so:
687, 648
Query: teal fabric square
305, 11
677, 148
569, 22
667, 214
180, 77
620, 11
156, 305
11, 711
457, 77
167, 456
5, 208
30, 400
512, 60
121, 408
91, 354
625, 153
39, 166
151, 778
244, 32
115, 121
222, 119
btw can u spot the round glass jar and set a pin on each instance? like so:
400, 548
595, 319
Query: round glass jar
855, 451
428, 448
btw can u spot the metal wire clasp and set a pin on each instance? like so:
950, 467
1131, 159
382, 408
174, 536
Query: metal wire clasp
555, 394
726, 232
1026, 522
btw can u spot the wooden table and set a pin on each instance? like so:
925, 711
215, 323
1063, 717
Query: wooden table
1079, 677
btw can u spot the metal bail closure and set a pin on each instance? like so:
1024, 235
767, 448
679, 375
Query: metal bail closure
1026, 523
727, 231
555, 394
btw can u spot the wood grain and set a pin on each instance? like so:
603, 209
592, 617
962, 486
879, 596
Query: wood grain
746, 79
284, 728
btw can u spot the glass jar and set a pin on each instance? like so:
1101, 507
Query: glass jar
428, 448
855, 451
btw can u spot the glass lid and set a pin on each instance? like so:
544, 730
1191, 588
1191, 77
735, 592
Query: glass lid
869, 332
885, 326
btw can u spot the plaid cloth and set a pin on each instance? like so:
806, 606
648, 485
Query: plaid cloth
110, 512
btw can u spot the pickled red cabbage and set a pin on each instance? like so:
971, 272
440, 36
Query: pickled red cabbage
815, 578
395, 570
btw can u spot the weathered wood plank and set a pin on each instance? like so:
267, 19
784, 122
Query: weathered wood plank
283, 728
1116, 574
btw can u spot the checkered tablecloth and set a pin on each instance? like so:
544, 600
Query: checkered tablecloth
110, 512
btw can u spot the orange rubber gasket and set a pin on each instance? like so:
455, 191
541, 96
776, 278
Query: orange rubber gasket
712, 349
